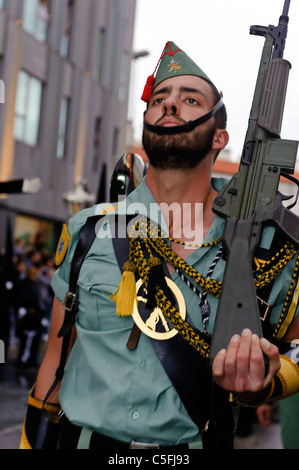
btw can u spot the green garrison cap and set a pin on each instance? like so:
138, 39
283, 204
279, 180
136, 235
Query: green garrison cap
173, 62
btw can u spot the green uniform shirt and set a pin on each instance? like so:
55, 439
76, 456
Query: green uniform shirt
108, 388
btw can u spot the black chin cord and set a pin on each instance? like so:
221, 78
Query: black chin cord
188, 127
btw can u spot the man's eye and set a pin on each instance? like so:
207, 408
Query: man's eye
158, 101
192, 101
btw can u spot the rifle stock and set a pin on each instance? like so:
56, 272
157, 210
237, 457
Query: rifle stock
251, 198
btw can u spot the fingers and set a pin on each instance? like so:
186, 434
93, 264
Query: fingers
272, 353
224, 369
243, 363
224, 365
231, 358
257, 364
241, 367
218, 365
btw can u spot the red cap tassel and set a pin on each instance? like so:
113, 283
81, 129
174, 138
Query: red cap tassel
148, 88
150, 81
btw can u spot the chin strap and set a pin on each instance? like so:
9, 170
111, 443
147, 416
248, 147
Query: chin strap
189, 126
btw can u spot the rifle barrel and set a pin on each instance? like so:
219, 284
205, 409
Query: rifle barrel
286, 7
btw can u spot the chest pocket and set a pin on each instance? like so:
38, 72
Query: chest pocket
98, 280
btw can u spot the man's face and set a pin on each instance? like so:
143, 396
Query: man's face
175, 102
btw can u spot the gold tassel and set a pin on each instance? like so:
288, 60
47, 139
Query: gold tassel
125, 295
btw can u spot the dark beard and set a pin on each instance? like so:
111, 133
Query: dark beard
178, 151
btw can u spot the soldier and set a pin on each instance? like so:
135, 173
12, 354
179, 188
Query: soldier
131, 380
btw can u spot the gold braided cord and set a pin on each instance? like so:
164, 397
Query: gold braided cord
284, 255
144, 228
183, 327
263, 276
214, 287
287, 299
269, 271
194, 245
209, 285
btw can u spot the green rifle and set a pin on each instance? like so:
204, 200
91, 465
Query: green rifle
251, 198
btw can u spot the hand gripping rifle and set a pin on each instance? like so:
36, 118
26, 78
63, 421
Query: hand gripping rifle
251, 198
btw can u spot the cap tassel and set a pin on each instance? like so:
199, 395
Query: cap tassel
148, 88
150, 81
125, 295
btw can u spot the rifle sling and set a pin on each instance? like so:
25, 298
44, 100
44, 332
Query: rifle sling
187, 370
86, 239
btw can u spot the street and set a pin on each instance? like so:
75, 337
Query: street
16, 382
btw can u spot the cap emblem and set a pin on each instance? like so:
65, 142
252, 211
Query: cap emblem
174, 66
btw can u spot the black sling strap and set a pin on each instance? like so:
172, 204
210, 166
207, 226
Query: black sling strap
87, 236
85, 241
187, 370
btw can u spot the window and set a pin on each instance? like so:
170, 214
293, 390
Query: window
36, 18
96, 143
65, 42
99, 55
28, 108
2, 4
62, 129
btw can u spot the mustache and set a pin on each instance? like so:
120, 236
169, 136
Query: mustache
177, 118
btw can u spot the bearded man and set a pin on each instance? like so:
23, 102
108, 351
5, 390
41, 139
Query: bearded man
137, 374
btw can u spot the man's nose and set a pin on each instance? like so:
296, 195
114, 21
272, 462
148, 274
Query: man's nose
171, 105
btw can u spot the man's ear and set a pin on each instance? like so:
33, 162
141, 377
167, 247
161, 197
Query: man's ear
220, 140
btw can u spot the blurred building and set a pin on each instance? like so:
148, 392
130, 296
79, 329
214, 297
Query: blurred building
65, 66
